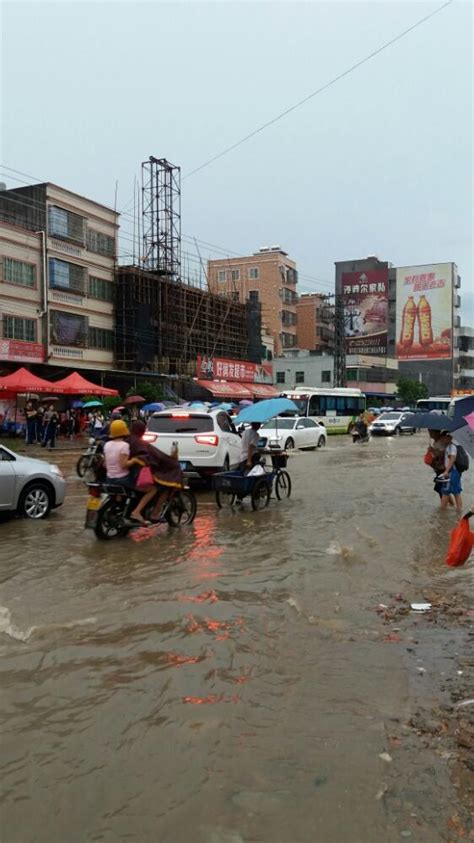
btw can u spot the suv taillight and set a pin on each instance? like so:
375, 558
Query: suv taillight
207, 439
150, 437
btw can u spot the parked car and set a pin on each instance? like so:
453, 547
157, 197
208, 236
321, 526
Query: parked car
293, 433
29, 487
206, 439
391, 423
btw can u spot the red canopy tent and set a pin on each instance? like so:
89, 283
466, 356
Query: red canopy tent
75, 384
23, 381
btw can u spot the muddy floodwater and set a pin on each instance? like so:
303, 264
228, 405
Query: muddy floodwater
231, 682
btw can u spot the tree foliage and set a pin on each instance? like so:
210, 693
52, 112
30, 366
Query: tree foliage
410, 391
148, 390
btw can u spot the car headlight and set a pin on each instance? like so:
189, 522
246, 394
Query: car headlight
54, 469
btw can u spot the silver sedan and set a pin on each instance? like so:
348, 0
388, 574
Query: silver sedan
29, 487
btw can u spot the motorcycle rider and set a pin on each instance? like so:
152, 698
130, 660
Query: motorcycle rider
121, 466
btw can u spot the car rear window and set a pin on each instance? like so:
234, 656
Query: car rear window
180, 424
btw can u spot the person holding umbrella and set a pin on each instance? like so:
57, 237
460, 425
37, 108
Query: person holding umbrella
451, 476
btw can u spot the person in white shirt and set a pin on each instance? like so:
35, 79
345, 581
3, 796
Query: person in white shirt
249, 445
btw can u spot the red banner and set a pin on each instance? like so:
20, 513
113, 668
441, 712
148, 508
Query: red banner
21, 352
365, 300
221, 368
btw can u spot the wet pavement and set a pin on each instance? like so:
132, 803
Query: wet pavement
232, 682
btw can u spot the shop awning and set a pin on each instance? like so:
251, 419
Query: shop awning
263, 390
227, 389
75, 384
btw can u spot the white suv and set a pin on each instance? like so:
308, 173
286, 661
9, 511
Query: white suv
206, 441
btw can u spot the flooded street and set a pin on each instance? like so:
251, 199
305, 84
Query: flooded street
230, 682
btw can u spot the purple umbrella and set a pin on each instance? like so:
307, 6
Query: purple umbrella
245, 403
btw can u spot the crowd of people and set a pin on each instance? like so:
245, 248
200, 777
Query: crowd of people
44, 423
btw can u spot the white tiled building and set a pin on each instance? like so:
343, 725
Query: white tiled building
57, 260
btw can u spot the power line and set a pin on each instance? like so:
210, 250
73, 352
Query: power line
315, 93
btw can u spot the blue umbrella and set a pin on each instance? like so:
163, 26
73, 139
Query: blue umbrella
265, 410
154, 407
224, 406
91, 404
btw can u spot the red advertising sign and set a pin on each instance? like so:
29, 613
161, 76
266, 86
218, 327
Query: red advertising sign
221, 368
365, 301
21, 352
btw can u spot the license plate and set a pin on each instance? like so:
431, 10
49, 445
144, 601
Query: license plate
93, 503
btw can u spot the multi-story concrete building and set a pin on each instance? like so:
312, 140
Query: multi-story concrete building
268, 276
376, 376
315, 322
374, 295
57, 261
464, 375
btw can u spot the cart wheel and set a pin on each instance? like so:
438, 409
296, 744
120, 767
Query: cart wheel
224, 499
260, 494
282, 485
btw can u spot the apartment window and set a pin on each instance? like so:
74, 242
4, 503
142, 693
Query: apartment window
17, 328
254, 273
253, 295
66, 276
68, 328
235, 274
326, 376
19, 272
221, 275
299, 377
288, 318
100, 288
65, 225
101, 244
288, 340
280, 377
101, 338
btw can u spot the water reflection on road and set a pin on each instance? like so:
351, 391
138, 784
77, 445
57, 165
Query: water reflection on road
225, 682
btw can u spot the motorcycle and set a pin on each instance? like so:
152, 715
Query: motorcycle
109, 507
90, 465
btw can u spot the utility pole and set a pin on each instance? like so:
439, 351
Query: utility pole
339, 343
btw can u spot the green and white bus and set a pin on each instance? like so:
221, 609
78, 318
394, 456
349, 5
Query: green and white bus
335, 408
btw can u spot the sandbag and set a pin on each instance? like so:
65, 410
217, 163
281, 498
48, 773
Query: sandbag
460, 544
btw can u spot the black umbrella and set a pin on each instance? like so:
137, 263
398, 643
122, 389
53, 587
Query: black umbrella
432, 421
438, 421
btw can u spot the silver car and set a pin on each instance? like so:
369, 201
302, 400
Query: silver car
28, 486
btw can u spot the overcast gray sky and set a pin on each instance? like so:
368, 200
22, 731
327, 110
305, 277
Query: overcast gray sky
381, 163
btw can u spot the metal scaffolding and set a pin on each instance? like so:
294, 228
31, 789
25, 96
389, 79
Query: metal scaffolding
161, 216
162, 326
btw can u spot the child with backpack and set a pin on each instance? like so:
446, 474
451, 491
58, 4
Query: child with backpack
455, 462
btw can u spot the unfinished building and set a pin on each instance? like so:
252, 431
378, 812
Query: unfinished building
162, 325
162, 321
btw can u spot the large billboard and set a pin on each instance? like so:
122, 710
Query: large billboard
425, 312
365, 302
